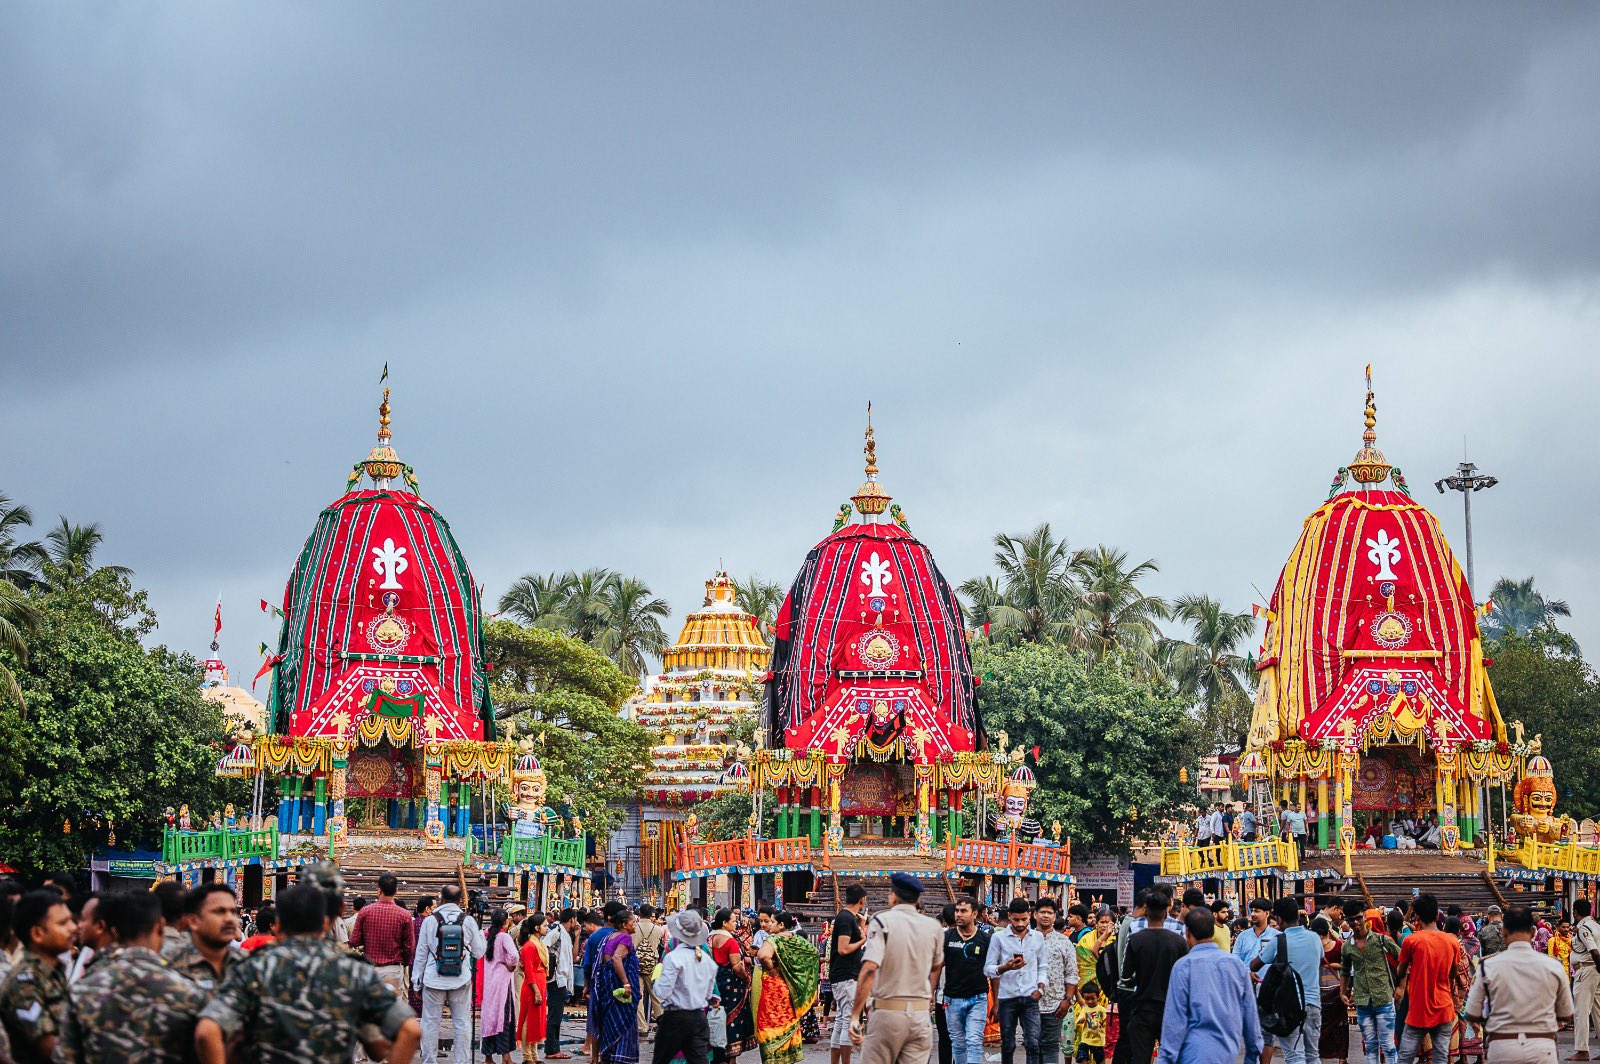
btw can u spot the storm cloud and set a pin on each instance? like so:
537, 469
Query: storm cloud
636, 270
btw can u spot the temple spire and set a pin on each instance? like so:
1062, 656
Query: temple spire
871, 499
1369, 466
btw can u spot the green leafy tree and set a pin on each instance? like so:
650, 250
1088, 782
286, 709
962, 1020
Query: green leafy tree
538, 600
1540, 679
18, 620
1112, 743
565, 696
1114, 614
631, 628
1519, 607
1209, 667
70, 555
1038, 595
20, 559
760, 598
115, 731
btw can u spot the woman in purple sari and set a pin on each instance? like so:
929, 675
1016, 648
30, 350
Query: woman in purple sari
499, 1015
616, 972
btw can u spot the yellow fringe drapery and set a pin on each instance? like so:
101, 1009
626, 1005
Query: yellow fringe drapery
300, 755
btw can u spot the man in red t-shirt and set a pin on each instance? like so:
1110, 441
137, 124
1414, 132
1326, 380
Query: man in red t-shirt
1427, 957
266, 929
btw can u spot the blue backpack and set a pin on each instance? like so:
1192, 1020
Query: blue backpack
452, 947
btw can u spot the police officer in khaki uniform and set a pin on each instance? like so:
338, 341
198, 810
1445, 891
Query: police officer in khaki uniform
899, 970
1521, 997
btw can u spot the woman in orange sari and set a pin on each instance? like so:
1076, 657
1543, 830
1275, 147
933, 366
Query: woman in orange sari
788, 976
535, 959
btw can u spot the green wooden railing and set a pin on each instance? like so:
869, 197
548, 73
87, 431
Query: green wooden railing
543, 850
178, 847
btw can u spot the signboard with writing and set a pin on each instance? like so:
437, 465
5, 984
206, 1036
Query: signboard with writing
131, 869
1107, 877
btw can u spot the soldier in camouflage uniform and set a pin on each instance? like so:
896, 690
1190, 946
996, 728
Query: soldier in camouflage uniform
172, 895
130, 1006
304, 1000
34, 994
212, 913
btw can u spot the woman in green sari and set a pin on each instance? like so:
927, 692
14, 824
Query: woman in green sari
788, 976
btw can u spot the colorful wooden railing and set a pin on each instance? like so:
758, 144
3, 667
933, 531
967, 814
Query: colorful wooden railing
1539, 856
179, 847
1012, 858
743, 853
1230, 855
542, 850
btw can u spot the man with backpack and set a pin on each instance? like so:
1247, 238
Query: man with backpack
1293, 963
448, 944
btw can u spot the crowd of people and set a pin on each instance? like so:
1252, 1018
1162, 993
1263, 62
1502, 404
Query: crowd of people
179, 975
1292, 820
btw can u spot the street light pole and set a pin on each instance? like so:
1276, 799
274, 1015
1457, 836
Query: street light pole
1467, 480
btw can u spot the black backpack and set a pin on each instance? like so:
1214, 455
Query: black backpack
1280, 1001
452, 948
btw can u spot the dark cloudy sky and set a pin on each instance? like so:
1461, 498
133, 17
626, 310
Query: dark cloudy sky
637, 268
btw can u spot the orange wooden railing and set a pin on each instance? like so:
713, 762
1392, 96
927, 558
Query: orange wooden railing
742, 853
1010, 857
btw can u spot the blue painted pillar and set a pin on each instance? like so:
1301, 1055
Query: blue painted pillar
285, 807
463, 809
411, 815
394, 813
319, 814
302, 803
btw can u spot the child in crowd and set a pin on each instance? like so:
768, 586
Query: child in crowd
1090, 1023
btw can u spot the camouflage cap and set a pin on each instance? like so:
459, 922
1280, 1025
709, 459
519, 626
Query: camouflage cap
324, 875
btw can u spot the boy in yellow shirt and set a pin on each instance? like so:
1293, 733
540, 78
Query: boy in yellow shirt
1090, 1015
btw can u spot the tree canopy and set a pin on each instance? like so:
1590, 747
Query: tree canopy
565, 696
1112, 743
618, 614
114, 731
1540, 679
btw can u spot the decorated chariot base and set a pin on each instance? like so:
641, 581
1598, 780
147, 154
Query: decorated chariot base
1374, 707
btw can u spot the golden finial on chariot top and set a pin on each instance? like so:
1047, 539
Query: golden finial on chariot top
383, 417
871, 499
1369, 466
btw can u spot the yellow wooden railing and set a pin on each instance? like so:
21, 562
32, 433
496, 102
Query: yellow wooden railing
1230, 855
1539, 856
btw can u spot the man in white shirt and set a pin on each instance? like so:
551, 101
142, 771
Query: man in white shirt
1060, 960
1202, 829
438, 988
558, 990
1014, 959
685, 987
1214, 823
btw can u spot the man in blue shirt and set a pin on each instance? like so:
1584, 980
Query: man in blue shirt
1247, 943
1304, 952
1210, 1014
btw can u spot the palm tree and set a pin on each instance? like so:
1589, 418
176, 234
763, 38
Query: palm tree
984, 597
1518, 607
20, 561
1113, 613
70, 551
18, 619
631, 624
587, 603
537, 600
759, 598
1037, 596
1208, 666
